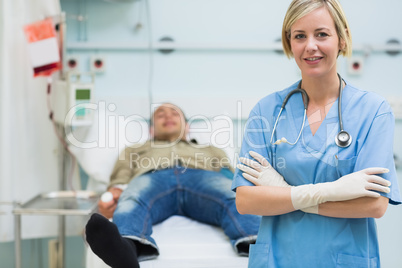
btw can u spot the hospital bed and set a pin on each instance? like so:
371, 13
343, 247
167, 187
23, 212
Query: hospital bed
183, 242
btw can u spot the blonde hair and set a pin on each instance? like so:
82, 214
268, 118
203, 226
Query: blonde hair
300, 8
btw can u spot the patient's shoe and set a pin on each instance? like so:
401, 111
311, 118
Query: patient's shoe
105, 241
242, 246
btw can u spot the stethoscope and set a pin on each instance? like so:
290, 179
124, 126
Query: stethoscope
342, 139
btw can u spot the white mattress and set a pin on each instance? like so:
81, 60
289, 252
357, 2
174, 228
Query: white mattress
185, 243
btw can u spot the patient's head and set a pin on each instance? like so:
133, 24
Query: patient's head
168, 123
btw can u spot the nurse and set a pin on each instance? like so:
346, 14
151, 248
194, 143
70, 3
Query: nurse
318, 200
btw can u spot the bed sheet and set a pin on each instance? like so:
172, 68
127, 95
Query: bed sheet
186, 243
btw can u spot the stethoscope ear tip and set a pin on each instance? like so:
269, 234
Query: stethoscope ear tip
283, 140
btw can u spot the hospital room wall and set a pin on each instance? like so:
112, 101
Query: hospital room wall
216, 75
213, 81
218, 78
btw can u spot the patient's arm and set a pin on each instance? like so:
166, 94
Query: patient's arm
107, 208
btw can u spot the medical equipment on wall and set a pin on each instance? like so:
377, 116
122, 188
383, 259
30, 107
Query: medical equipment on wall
72, 99
342, 139
43, 47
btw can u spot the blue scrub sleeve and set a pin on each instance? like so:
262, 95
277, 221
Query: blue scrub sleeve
377, 150
256, 138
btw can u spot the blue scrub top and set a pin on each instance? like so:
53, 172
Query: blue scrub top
299, 239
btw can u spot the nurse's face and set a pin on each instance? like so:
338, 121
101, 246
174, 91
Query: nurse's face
315, 43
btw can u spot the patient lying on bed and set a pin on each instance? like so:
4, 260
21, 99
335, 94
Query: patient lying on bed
166, 176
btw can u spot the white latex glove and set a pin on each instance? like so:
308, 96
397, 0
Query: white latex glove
261, 172
308, 197
358, 184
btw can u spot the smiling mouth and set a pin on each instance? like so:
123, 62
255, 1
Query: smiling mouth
313, 58
169, 124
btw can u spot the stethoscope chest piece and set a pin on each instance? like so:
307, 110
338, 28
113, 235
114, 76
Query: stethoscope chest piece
343, 139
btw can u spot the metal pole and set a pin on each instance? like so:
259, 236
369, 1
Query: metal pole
61, 242
17, 234
62, 218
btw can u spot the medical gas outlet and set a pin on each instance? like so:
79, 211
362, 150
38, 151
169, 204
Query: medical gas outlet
97, 64
72, 99
355, 65
72, 63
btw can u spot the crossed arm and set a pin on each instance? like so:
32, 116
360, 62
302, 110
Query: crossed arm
271, 201
273, 196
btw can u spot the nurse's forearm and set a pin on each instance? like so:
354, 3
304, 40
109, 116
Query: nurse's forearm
263, 200
365, 207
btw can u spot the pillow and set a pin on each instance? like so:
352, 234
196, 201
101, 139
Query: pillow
98, 146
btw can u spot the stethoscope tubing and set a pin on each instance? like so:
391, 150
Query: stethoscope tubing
342, 139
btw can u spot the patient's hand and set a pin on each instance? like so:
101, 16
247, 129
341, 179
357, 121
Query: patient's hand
107, 208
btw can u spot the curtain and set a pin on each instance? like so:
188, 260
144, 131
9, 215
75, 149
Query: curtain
29, 150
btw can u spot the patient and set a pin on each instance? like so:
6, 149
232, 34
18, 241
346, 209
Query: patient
166, 176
